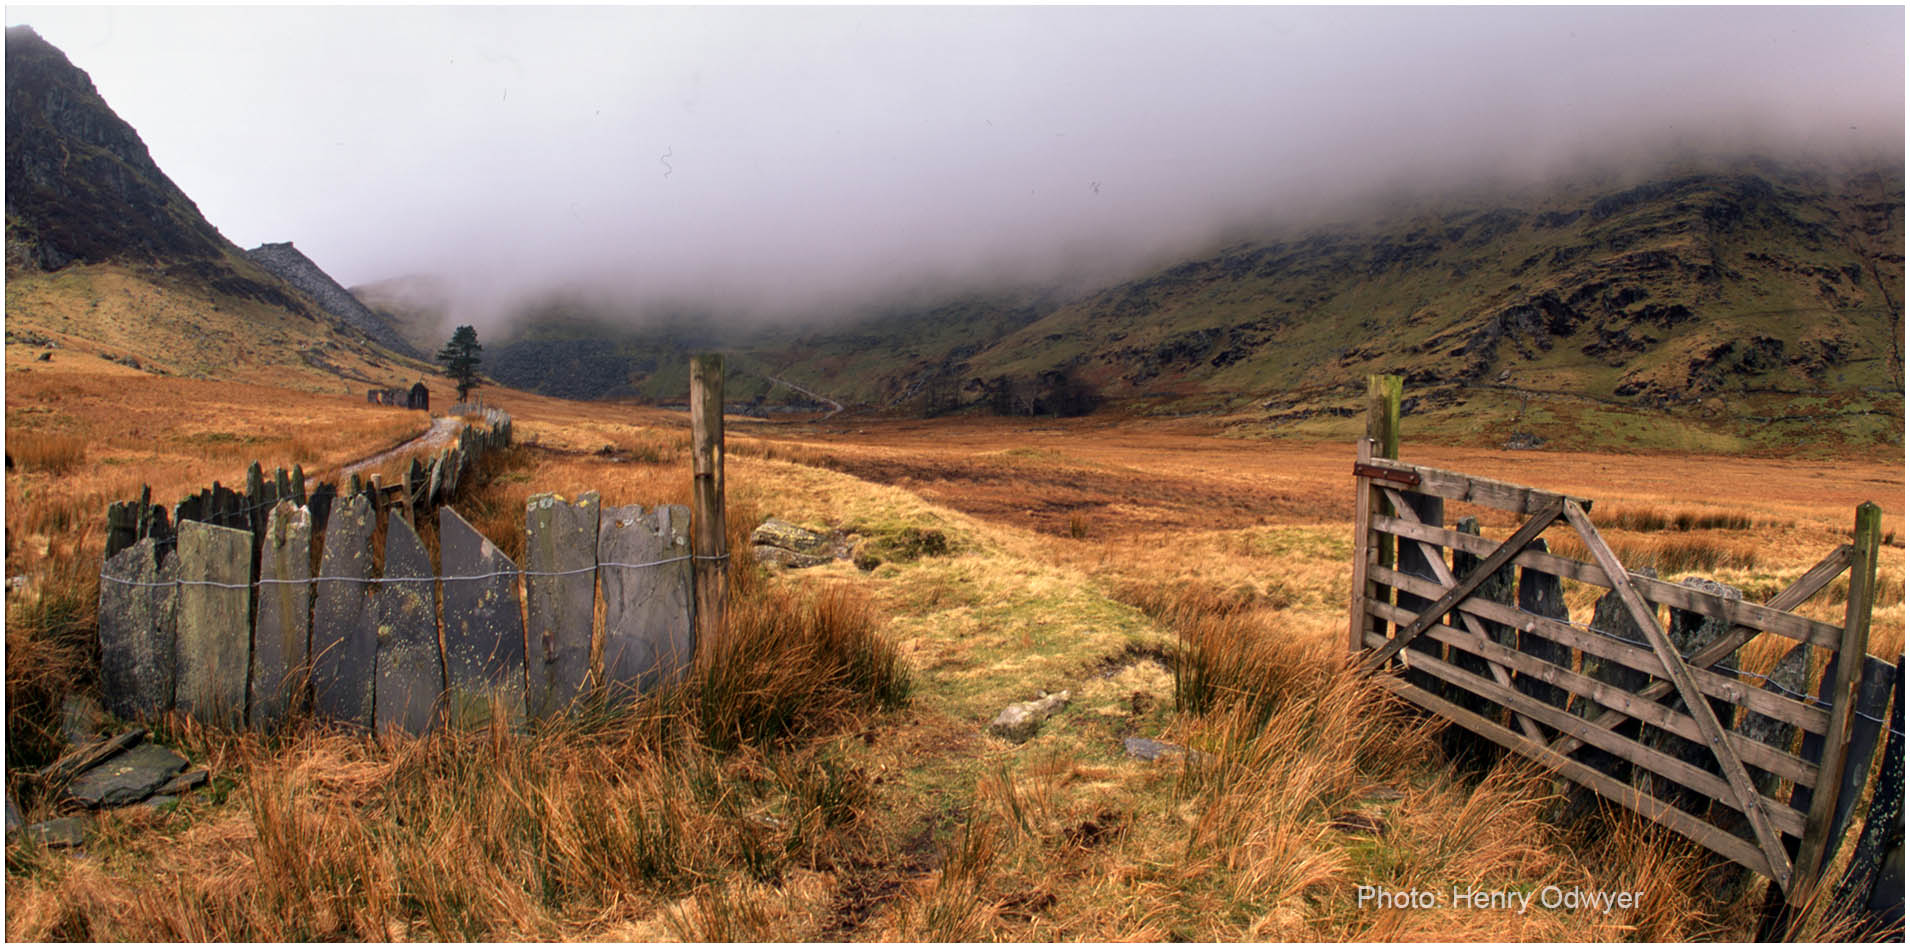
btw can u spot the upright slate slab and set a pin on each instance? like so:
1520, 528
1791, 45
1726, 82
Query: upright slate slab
1612, 620
1501, 588
344, 634
560, 538
483, 627
410, 673
648, 635
434, 481
1688, 632
1874, 885
212, 652
137, 630
1541, 594
324, 496
281, 638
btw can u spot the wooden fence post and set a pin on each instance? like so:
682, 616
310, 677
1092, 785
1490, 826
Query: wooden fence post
1381, 440
708, 526
1850, 660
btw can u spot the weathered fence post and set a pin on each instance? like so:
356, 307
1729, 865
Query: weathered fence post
1850, 661
1381, 440
708, 525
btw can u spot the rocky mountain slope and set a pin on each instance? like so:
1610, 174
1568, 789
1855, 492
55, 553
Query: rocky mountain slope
288, 264
105, 253
1729, 296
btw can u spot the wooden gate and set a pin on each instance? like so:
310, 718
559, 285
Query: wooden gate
1653, 716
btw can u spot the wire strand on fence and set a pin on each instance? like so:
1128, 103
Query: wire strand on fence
380, 580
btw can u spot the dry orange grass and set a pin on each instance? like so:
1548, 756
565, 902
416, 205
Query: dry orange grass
913, 830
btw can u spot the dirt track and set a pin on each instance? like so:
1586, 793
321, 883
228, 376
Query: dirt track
441, 430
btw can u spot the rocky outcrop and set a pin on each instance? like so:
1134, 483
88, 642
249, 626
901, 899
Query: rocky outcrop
287, 263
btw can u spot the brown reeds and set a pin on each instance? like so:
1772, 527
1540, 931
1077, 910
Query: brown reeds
45, 452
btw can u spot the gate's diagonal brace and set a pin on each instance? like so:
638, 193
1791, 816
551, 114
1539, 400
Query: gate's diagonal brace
1437, 560
1796, 594
1748, 802
1437, 611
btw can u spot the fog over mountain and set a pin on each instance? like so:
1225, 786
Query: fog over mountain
775, 162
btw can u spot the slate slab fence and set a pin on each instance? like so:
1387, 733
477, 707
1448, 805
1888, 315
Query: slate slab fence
427, 483
1647, 709
413, 647
223, 616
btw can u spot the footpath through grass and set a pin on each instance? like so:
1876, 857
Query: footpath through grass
831, 775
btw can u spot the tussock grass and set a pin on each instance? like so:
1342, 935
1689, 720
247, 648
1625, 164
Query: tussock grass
495, 835
1649, 519
1670, 555
45, 452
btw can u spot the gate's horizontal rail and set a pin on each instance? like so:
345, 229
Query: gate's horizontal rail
1623, 794
1748, 614
1483, 491
1754, 752
1783, 818
1733, 690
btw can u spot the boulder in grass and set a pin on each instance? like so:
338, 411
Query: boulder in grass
1019, 722
783, 535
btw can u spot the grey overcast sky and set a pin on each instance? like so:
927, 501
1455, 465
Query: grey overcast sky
775, 159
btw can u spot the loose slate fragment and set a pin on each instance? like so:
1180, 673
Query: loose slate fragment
647, 632
344, 641
136, 631
86, 758
127, 778
213, 647
281, 667
410, 676
62, 833
483, 629
559, 538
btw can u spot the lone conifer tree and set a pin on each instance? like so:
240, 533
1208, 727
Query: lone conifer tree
460, 358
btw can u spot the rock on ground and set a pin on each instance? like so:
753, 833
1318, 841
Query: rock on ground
127, 778
1018, 722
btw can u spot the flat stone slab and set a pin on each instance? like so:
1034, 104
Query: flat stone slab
281, 638
410, 672
63, 833
137, 613
127, 778
212, 649
560, 553
1018, 722
647, 637
344, 633
483, 627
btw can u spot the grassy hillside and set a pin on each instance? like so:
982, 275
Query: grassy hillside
1747, 306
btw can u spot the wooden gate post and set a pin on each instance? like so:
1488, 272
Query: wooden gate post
709, 531
1850, 660
1381, 440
